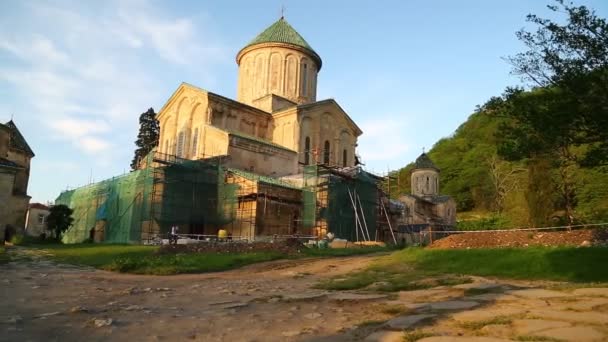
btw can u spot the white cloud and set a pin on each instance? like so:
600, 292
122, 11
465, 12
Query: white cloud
76, 128
384, 140
86, 72
93, 144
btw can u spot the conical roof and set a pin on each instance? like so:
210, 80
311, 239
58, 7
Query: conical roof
282, 32
424, 162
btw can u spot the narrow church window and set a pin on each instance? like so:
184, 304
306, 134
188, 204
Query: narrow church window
427, 183
326, 152
304, 79
195, 142
307, 151
344, 158
180, 144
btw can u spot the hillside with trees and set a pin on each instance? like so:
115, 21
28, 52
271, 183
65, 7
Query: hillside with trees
536, 155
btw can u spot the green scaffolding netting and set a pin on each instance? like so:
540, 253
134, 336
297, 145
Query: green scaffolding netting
147, 202
331, 199
194, 195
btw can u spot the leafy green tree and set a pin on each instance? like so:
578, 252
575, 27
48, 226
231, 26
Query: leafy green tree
570, 61
147, 138
59, 219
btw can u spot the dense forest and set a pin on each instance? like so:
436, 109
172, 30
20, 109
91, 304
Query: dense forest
535, 156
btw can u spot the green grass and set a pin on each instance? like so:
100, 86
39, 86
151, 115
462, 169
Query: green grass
418, 268
188, 263
539, 263
4, 258
342, 252
140, 259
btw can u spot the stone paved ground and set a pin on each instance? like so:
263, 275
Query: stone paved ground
44, 301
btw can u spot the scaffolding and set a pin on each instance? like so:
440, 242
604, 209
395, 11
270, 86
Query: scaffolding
142, 205
203, 196
346, 202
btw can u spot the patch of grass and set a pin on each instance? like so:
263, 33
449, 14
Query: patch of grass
542, 263
188, 263
476, 325
405, 269
537, 338
142, 260
95, 255
394, 310
414, 336
4, 258
340, 252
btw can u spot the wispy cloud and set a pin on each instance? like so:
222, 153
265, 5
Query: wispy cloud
87, 71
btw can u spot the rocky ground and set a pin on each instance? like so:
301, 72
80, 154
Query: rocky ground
41, 300
583, 237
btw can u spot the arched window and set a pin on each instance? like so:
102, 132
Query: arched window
427, 183
303, 79
307, 151
326, 152
180, 144
344, 161
194, 142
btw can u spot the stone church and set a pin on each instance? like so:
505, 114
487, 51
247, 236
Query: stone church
425, 206
15, 156
276, 126
274, 162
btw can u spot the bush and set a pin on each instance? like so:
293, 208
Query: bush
17, 239
486, 223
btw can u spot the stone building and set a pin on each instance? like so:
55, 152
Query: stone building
35, 221
15, 156
276, 125
425, 206
275, 161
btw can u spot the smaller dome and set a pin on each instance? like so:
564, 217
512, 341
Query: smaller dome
424, 162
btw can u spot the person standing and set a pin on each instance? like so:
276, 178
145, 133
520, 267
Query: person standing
173, 235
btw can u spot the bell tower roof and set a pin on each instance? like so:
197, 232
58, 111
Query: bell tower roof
282, 32
424, 162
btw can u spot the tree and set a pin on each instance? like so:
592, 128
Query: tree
571, 59
59, 219
505, 180
147, 138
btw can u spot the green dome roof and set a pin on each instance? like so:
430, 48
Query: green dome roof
424, 162
282, 32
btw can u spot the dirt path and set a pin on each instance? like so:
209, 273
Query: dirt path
41, 300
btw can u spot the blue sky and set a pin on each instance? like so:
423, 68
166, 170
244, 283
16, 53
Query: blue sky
76, 75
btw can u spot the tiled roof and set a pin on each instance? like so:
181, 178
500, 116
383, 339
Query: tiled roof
282, 32
424, 162
17, 140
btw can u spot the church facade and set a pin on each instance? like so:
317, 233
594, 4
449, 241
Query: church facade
276, 126
15, 156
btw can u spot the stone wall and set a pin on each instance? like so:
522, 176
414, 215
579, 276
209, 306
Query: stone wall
425, 182
276, 68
